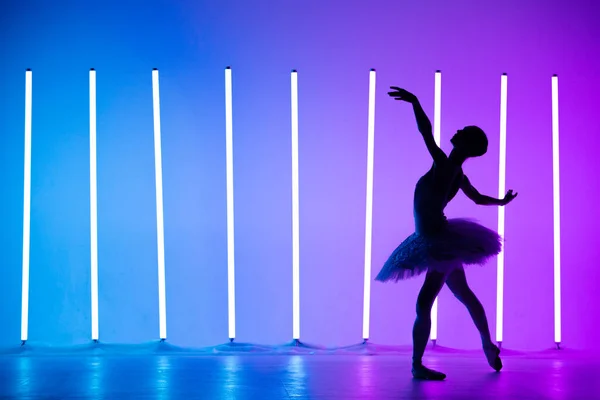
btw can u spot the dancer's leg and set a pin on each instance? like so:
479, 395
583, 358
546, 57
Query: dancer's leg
457, 283
434, 281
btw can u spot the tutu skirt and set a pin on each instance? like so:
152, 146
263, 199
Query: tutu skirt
459, 242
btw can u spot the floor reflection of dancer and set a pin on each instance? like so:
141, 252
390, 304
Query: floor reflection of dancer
439, 246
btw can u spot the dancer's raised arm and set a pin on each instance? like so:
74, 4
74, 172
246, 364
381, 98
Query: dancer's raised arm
422, 122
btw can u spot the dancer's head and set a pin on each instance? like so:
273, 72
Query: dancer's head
470, 141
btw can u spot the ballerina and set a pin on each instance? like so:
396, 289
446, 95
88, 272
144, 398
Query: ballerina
440, 247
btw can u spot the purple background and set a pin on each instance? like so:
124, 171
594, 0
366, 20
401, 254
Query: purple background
333, 47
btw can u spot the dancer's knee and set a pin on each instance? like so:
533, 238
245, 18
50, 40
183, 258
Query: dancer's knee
424, 307
431, 287
457, 284
464, 294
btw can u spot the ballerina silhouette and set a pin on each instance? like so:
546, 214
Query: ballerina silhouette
440, 246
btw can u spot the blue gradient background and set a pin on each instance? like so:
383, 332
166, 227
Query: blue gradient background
332, 45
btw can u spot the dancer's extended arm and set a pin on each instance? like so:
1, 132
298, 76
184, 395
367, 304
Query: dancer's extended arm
482, 199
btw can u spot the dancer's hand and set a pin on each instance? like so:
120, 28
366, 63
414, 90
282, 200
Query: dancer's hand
510, 196
401, 94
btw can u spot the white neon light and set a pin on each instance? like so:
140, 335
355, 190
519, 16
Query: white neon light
93, 207
295, 210
437, 107
26, 209
160, 230
437, 114
230, 224
556, 195
369, 216
501, 210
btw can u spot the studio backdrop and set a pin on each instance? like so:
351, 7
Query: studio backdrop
230, 198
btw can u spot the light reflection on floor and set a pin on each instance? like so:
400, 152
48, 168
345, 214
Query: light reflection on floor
558, 375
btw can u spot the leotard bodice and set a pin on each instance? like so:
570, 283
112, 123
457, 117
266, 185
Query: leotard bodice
433, 192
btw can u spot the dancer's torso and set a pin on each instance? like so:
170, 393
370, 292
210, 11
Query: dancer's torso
433, 192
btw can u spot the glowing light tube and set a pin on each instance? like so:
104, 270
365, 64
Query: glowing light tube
93, 208
160, 230
369, 216
26, 210
295, 211
437, 114
230, 224
501, 210
556, 195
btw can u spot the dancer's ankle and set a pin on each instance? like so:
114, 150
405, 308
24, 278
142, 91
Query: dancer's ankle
417, 363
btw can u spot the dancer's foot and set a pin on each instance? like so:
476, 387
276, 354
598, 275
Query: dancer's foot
419, 371
492, 353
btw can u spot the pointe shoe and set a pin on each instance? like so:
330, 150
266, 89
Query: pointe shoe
423, 373
492, 354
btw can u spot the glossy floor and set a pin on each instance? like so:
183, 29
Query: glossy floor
547, 375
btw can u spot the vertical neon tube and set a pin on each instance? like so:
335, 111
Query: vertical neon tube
26, 210
556, 195
501, 210
93, 208
230, 224
369, 205
437, 115
160, 230
295, 211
